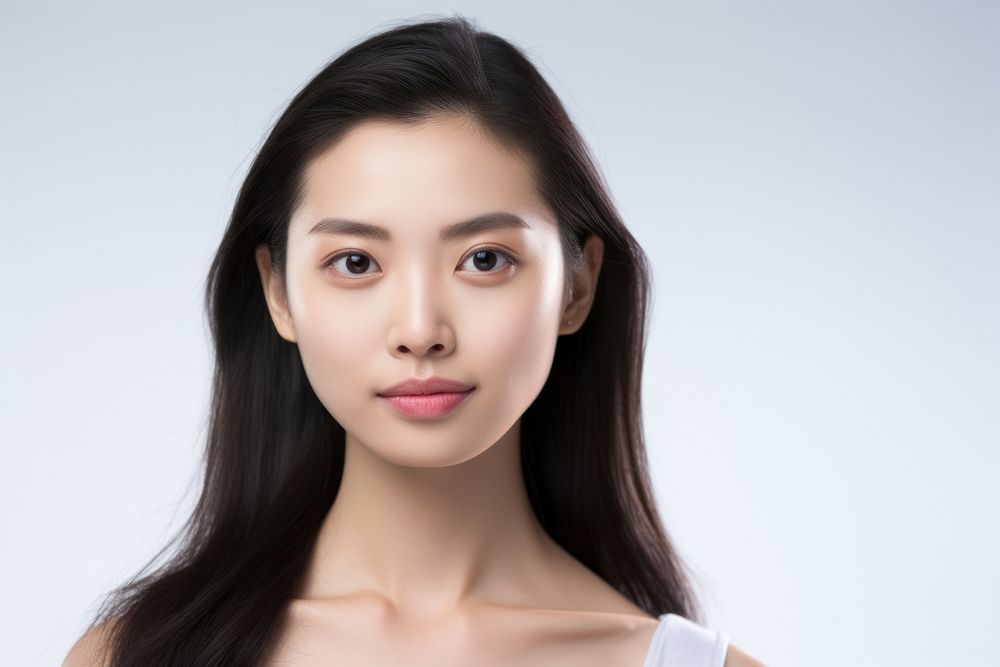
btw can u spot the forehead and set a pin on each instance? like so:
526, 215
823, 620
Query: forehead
441, 169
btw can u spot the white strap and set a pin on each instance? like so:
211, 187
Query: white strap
679, 642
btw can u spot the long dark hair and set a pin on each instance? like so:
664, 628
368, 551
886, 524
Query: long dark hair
274, 455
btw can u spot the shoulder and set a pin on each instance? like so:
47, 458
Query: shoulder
90, 649
737, 658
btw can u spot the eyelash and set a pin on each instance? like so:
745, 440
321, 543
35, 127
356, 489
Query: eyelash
510, 260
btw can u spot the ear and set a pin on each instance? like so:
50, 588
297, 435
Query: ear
275, 294
583, 286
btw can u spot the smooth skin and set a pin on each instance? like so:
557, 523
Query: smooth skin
431, 553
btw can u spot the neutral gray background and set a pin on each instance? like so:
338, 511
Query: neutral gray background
816, 184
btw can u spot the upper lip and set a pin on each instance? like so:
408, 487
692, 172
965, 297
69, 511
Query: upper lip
432, 385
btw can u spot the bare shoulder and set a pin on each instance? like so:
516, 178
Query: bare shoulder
737, 658
90, 649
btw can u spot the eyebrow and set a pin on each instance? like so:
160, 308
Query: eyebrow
480, 223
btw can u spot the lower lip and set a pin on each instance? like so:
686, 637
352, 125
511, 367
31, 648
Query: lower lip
426, 405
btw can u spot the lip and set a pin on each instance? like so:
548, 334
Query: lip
428, 398
426, 405
432, 385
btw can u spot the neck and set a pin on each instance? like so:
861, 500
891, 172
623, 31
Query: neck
431, 540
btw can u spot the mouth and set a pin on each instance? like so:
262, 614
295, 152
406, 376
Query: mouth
426, 406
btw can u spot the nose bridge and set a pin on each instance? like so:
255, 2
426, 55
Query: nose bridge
419, 291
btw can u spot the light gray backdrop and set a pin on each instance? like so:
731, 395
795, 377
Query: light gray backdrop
816, 184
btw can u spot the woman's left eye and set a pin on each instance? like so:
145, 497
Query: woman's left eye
484, 258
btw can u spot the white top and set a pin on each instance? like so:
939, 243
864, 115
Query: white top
679, 642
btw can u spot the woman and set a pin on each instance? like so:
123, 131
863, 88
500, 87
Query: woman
425, 442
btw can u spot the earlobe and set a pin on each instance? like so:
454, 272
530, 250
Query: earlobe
274, 294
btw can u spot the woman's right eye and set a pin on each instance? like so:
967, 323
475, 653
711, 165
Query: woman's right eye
355, 263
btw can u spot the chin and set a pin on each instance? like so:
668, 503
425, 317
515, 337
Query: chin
413, 455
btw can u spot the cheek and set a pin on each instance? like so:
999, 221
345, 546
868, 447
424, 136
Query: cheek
510, 340
336, 339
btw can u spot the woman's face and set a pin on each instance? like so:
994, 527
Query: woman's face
484, 308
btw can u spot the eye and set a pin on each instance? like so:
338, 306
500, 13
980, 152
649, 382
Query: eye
356, 262
484, 258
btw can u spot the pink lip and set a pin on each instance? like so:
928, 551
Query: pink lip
431, 385
426, 405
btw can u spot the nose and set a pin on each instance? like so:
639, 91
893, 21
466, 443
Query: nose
420, 326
